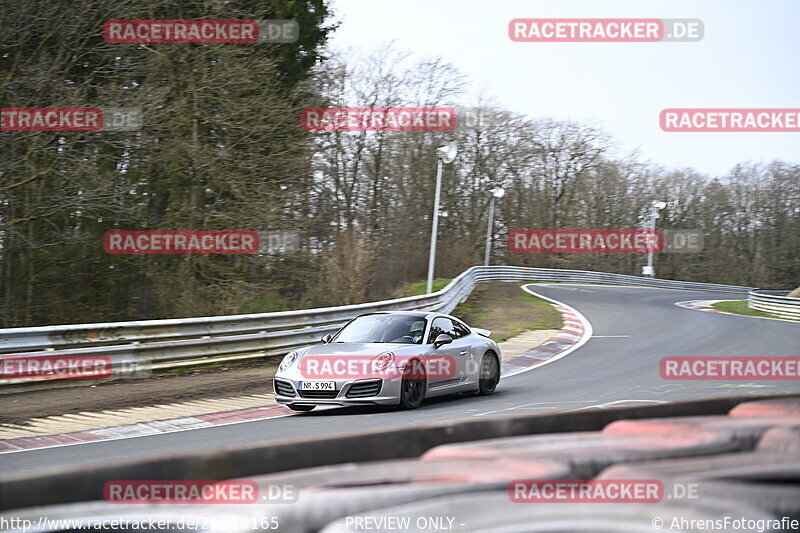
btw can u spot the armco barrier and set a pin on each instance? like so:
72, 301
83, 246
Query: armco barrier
774, 302
140, 346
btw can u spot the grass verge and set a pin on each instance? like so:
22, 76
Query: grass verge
506, 310
420, 287
739, 307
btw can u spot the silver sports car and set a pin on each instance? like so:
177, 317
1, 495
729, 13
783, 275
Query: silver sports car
390, 358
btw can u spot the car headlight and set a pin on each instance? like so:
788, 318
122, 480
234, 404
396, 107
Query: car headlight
288, 360
382, 361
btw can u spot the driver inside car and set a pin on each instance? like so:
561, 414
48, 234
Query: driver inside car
409, 332
417, 331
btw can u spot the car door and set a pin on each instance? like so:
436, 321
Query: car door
467, 350
455, 352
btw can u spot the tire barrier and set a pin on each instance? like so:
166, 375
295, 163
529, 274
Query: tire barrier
731, 460
783, 439
747, 431
778, 498
325, 494
588, 453
71, 484
768, 476
492, 512
767, 408
739, 476
753, 466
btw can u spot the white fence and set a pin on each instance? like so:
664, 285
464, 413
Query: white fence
775, 303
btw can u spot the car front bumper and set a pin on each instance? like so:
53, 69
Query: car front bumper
352, 392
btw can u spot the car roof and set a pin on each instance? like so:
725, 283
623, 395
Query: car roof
415, 314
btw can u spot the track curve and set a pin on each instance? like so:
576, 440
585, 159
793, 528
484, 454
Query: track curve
633, 328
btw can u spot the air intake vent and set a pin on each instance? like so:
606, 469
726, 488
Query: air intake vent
283, 388
364, 389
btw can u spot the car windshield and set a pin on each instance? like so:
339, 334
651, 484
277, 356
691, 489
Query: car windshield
383, 328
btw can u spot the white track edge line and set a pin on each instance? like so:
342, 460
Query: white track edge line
705, 310
587, 333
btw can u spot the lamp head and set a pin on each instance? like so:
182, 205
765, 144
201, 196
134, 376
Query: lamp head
448, 153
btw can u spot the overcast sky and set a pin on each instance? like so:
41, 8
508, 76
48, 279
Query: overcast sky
749, 58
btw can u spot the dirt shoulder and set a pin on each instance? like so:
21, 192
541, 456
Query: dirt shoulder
222, 381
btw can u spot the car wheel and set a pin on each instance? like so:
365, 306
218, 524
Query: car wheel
412, 388
490, 374
301, 408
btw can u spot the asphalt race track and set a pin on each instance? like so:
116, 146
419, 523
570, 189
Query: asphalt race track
633, 329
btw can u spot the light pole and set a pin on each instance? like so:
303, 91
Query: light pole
655, 207
497, 192
444, 154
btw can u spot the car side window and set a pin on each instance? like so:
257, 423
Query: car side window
440, 325
460, 329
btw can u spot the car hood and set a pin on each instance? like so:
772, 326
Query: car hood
370, 349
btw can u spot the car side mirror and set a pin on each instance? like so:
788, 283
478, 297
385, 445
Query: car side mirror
327, 338
442, 339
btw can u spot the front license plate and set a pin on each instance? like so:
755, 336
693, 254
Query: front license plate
316, 385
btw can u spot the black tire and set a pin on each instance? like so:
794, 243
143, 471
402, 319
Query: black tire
412, 387
301, 408
489, 374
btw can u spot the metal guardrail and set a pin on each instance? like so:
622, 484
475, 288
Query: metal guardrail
135, 348
774, 302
